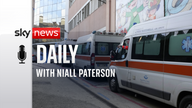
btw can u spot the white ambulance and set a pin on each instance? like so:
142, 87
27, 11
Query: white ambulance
94, 50
158, 62
66, 42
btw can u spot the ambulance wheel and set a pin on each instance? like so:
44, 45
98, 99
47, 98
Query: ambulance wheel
186, 102
113, 84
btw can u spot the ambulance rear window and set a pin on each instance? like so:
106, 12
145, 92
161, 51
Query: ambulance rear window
103, 48
180, 44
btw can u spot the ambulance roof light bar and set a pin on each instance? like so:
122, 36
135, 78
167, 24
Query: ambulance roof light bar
97, 32
107, 33
119, 34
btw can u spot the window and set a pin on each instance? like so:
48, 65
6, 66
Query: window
77, 19
74, 21
54, 14
79, 50
86, 48
63, 13
37, 4
59, 14
152, 45
45, 9
122, 53
87, 10
114, 46
45, 16
54, 7
63, 5
41, 10
139, 45
59, 6
41, 3
102, 48
49, 8
54, 1
37, 11
148, 47
101, 2
83, 13
79, 16
59, 1
45, 2
50, 2
70, 26
71, 2
178, 46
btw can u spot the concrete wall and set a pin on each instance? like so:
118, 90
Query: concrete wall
110, 15
76, 7
94, 21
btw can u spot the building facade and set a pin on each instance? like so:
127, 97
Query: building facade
86, 16
49, 13
131, 12
119, 16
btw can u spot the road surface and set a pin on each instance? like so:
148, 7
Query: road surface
54, 92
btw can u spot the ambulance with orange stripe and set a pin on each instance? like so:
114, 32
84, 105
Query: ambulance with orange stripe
66, 42
158, 62
94, 50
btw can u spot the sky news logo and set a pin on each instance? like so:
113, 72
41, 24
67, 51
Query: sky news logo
46, 33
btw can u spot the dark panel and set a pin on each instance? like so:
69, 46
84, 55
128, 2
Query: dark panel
147, 90
127, 63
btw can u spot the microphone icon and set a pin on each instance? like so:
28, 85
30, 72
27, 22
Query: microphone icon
22, 54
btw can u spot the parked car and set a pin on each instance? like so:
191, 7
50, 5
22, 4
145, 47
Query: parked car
34, 58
